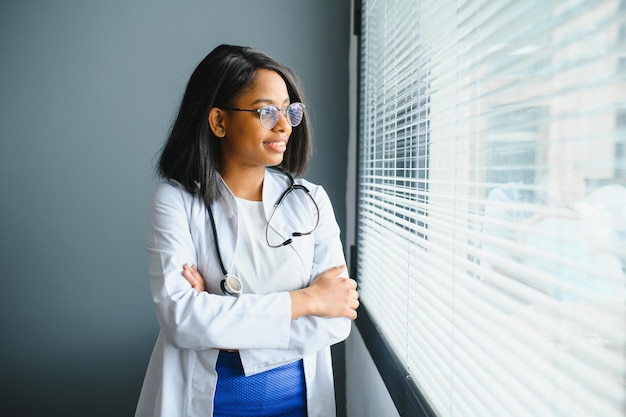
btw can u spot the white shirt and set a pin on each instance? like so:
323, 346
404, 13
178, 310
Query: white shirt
180, 379
261, 268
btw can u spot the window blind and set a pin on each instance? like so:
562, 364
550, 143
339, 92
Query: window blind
491, 226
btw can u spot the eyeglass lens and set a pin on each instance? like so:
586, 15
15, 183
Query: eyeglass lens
293, 113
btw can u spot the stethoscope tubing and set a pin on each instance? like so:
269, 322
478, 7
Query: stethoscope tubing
231, 284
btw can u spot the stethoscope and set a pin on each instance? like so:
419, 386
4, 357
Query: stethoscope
231, 284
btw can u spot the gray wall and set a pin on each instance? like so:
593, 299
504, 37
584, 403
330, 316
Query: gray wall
367, 395
87, 92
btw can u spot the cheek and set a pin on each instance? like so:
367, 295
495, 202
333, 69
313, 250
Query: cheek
247, 132
243, 144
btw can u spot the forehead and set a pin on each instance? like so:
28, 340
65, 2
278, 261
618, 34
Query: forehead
268, 86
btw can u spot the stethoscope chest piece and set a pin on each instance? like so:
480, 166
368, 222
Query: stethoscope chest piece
231, 285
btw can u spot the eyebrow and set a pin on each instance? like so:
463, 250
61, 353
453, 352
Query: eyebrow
266, 100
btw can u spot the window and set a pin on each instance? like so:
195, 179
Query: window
491, 227
620, 145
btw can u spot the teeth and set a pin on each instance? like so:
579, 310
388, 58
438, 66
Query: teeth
277, 146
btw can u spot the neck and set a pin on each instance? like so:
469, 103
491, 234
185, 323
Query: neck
245, 183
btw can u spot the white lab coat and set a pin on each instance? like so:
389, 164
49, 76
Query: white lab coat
181, 378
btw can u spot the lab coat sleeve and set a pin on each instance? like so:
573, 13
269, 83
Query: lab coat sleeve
309, 334
193, 320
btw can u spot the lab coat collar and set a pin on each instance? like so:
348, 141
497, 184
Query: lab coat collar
274, 184
225, 212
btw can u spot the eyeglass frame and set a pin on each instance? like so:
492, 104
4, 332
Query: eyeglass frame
283, 110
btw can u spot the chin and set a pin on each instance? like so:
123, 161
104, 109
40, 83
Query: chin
275, 161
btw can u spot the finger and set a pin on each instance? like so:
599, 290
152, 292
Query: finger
192, 276
337, 270
187, 271
197, 286
191, 269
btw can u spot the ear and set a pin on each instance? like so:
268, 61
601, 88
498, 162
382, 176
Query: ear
216, 122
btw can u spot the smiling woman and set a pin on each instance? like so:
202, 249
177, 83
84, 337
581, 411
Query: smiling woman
250, 142
236, 312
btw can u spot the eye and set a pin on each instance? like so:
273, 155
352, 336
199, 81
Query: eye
269, 116
267, 112
295, 111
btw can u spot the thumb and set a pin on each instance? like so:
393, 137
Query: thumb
337, 270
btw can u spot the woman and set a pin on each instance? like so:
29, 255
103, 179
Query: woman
246, 266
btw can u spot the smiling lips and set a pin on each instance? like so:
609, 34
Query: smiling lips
276, 145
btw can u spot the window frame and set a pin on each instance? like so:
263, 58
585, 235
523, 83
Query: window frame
407, 397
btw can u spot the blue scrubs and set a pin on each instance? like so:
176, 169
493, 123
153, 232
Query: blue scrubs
279, 392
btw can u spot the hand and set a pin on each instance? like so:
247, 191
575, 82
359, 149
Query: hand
329, 295
191, 274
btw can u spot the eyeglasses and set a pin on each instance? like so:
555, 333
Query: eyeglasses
268, 115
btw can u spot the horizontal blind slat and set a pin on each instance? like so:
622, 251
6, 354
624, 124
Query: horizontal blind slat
465, 104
